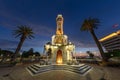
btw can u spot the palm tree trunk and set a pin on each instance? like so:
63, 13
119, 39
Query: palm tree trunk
98, 45
18, 47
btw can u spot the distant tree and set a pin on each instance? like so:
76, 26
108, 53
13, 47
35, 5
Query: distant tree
0, 51
28, 53
31, 52
23, 32
37, 54
91, 55
5, 54
25, 54
89, 25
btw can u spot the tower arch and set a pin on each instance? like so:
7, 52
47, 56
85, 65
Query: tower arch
59, 59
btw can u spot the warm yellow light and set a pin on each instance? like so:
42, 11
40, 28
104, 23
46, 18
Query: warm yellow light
59, 57
109, 36
55, 47
59, 60
59, 44
47, 46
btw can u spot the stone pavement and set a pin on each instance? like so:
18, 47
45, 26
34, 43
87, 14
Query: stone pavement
109, 73
20, 73
112, 73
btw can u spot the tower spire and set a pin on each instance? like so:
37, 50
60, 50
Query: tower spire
59, 22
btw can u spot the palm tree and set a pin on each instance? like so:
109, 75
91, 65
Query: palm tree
91, 55
89, 25
23, 32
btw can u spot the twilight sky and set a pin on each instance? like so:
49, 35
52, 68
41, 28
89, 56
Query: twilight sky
40, 15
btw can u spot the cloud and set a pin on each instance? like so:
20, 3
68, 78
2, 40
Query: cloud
81, 42
27, 43
12, 45
4, 43
10, 21
84, 44
34, 43
41, 30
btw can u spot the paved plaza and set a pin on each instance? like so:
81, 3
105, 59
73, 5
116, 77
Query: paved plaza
19, 72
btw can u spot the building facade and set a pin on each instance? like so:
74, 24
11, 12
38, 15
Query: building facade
111, 42
59, 50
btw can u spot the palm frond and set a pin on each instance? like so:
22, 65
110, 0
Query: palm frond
90, 24
31, 36
23, 30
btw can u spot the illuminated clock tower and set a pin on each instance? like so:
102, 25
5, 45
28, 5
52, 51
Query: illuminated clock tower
59, 21
60, 49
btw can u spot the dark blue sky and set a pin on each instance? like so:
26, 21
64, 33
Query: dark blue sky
41, 15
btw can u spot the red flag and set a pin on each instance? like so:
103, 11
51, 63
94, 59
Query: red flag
115, 25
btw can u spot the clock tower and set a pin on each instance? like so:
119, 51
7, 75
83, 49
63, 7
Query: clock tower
60, 49
59, 22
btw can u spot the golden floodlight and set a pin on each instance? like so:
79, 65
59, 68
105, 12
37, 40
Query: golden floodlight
59, 57
110, 36
59, 60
